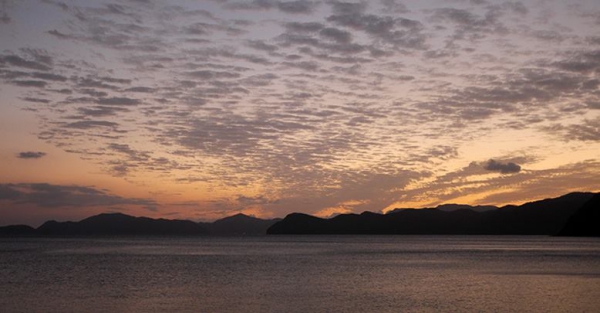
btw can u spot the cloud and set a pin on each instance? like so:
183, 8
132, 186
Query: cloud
36, 100
292, 7
100, 111
91, 124
30, 83
587, 130
49, 76
31, 155
59, 196
339, 36
119, 101
581, 61
297, 7
33, 59
4, 18
354, 102
141, 89
258, 200
504, 168
397, 31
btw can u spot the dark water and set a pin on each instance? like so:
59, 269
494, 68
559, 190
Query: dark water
301, 274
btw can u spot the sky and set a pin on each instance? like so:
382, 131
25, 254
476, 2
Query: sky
203, 109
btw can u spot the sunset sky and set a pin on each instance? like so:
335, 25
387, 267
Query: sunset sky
203, 109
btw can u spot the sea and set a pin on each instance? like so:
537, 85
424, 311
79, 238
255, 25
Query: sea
301, 274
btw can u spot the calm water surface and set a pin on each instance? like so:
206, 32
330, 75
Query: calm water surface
301, 274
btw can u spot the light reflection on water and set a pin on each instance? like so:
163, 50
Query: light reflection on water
301, 274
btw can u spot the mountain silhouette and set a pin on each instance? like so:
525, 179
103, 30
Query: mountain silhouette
454, 207
117, 224
544, 217
586, 221
240, 224
574, 214
17, 231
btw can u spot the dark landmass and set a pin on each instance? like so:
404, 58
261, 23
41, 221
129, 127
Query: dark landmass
240, 224
117, 224
17, 231
574, 214
544, 217
586, 221
453, 207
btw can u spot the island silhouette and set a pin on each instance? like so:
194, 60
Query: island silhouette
573, 214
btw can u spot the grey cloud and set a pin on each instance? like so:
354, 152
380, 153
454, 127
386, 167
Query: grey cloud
36, 100
122, 101
133, 155
261, 45
344, 8
103, 27
5, 19
206, 74
462, 17
293, 7
245, 201
31, 155
119, 169
336, 42
297, 7
393, 6
304, 27
128, 160
436, 54
548, 35
8, 74
588, 130
57, 196
114, 80
593, 105
253, 5
8, 193
58, 34
141, 89
91, 124
92, 92
335, 34
399, 32
63, 91
510, 93
100, 82
504, 168
209, 54
100, 111
582, 61
49, 76
472, 26
304, 65
595, 40
36, 63
259, 80
443, 152
30, 83
516, 7
202, 29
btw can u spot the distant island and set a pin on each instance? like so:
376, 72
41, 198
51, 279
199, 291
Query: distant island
574, 214
117, 224
544, 217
